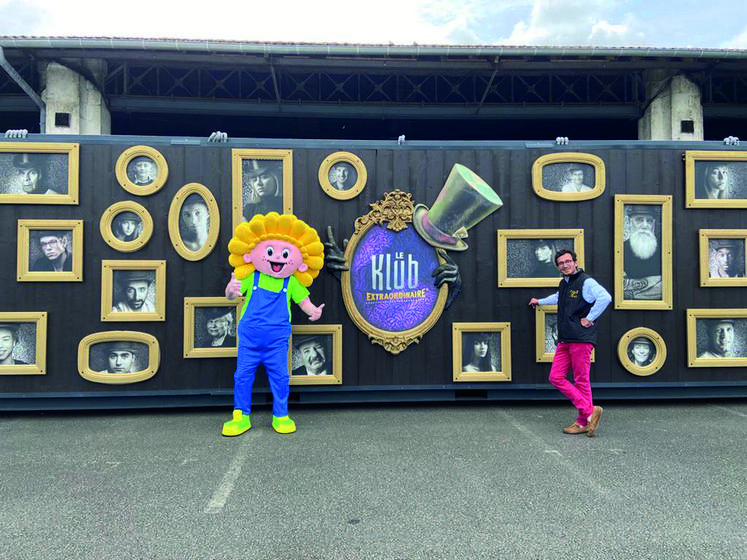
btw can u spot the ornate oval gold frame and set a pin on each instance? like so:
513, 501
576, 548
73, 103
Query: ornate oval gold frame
84, 348
136, 151
395, 210
343, 157
658, 342
107, 218
213, 211
568, 157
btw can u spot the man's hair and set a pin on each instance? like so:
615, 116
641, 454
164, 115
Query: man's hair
13, 328
562, 252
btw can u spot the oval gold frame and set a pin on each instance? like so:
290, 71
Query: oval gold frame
342, 157
84, 348
107, 218
142, 190
659, 345
213, 211
568, 157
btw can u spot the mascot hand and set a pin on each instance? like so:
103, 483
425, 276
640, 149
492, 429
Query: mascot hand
233, 288
334, 259
448, 273
316, 313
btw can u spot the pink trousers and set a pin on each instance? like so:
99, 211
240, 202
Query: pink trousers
575, 356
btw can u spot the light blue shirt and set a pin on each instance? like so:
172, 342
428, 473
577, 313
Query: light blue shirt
592, 293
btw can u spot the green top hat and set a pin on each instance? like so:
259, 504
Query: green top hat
464, 201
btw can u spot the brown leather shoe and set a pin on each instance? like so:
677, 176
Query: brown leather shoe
594, 421
576, 428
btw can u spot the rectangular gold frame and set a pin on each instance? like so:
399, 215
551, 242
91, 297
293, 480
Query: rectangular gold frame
505, 234
40, 318
705, 236
665, 201
107, 283
692, 351
237, 156
460, 376
539, 334
692, 156
336, 377
23, 274
73, 165
190, 303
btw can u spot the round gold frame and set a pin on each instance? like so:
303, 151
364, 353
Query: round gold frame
107, 218
342, 157
145, 151
84, 348
659, 345
213, 211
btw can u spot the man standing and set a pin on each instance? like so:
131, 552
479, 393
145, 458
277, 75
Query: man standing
580, 300
642, 255
135, 286
8, 342
56, 257
314, 357
720, 339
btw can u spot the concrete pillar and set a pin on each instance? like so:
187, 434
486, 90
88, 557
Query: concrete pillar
676, 113
74, 105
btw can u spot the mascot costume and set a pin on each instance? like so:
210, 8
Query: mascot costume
275, 258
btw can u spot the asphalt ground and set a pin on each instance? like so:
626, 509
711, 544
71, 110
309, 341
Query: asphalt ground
665, 480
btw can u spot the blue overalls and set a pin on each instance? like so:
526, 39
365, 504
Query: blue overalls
264, 331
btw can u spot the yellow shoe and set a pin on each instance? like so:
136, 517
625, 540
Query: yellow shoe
238, 425
283, 425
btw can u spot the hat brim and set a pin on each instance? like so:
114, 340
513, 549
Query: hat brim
445, 241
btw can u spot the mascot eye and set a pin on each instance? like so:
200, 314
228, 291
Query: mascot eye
286, 253
269, 251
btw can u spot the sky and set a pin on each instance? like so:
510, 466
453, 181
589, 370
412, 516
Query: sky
720, 24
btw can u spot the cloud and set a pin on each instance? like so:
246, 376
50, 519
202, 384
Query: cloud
737, 42
18, 17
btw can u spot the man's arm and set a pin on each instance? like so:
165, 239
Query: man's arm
549, 300
594, 293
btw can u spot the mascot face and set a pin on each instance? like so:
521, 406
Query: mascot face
276, 258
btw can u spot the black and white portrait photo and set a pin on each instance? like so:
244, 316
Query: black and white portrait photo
551, 332
142, 170
721, 338
38, 174
261, 187
718, 180
481, 351
122, 356
312, 354
342, 176
568, 177
726, 258
534, 258
194, 222
127, 226
50, 250
17, 343
641, 351
642, 256
134, 291
215, 327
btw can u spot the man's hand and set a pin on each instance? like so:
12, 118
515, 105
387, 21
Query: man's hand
534, 302
586, 323
233, 288
334, 259
448, 273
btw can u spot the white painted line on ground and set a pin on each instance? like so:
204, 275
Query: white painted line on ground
743, 415
229, 480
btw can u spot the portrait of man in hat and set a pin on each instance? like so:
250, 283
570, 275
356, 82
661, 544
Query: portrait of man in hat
33, 174
313, 355
122, 357
134, 293
641, 351
727, 258
262, 187
575, 179
127, 226
642, 268
342, 176
719, 339
55, 251
142, 171
218, 327
194, 222
8, 343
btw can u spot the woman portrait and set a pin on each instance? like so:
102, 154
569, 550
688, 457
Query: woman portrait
476, 352
127, 226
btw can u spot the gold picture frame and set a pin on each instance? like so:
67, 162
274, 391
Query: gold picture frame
157, 309
509, 278
651, 364
557, 194
39, 364
240, 191
348, 164
652, 292
542, 354
39, 271
713, 263
213, 231
717, 318
697, 193
107, 226
191, 307
333, 333
500, 364
130, 182
117, 378
26, 153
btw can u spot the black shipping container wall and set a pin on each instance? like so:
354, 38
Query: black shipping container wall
423, 371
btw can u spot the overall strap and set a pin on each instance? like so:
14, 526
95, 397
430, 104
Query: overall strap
255, 279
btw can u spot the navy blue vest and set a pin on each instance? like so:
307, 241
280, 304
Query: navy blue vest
571, 308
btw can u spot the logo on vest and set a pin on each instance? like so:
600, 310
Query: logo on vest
572, 294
